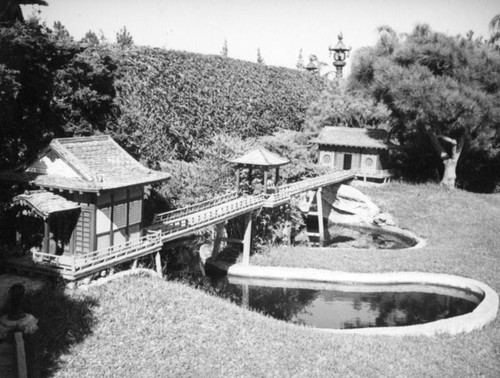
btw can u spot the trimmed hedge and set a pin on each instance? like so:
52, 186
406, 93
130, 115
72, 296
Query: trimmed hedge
173, 103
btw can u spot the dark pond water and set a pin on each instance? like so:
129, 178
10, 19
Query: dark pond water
345, 306
352, 236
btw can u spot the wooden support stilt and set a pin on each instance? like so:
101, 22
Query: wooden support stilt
218, 239
134, 264
265, 181
245, 300
158, 263
238, 180
46, 236
247, 239
276, 179
321, 227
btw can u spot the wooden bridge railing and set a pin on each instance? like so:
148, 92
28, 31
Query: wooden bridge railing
209, 216
72, 263
226, 206
179, 213
308, 184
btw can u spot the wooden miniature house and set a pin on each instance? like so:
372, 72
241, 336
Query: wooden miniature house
364, 151
89, 196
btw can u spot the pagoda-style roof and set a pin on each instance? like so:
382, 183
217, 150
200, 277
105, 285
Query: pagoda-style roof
353, 137
85, 164
260, 157
44, 203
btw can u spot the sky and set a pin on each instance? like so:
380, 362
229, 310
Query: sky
279, 28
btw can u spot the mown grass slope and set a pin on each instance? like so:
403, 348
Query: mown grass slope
144, 327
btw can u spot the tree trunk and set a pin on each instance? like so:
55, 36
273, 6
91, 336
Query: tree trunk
449, 159
450, 173
450, 162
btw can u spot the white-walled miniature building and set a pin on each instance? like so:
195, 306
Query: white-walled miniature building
365, 151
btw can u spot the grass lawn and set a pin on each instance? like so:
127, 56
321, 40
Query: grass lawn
140, 327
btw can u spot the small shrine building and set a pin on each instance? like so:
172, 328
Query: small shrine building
364, 151
89, 196
263, 160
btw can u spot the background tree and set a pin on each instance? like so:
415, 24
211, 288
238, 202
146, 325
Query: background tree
260, 59
60, 33
442, 91
90, 38
49, 88
338, 106
494, 27
223, 52
300, 61
124, 38
10, 10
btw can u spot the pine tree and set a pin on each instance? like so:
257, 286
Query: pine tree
60, 33
223, 52
260, 59
300, 61
124, 38
90, 38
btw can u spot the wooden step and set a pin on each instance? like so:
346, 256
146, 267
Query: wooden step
316, 234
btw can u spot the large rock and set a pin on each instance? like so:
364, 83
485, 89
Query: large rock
349, 205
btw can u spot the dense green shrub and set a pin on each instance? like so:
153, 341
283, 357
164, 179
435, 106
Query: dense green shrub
173, 103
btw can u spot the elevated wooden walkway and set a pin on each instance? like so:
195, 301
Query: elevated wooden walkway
170, 226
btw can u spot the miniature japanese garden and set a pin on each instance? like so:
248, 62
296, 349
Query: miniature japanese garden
167, 213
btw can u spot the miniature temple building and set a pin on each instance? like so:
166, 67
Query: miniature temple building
364, 151
88, 197
262, 159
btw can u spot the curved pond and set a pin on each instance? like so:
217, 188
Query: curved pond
367, 237
336, 306
457, 304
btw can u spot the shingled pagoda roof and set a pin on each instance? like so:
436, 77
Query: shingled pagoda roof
86, 164
260, 157
353, 137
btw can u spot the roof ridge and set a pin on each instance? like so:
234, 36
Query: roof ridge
82, 139
71, 159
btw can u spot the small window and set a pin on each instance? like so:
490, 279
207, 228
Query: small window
327, 159
368, 162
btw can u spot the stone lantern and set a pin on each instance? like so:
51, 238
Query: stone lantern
340, 53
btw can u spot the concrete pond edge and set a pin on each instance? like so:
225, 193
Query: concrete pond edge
483, 314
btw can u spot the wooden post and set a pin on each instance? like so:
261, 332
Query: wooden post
265, 181
319, 203
237, 179
20, 354
218, 239
158, 263
134, 264
46, 236
245, 300
250, 177
276, 178
247, 239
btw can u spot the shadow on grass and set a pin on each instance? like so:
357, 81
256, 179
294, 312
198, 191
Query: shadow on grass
65, 318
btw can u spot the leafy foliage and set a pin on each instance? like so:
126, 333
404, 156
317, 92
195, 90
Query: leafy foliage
174, 103
124, 38
50, 87
338, 106
90, 38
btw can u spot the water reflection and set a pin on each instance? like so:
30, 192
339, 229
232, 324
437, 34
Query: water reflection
348, 306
